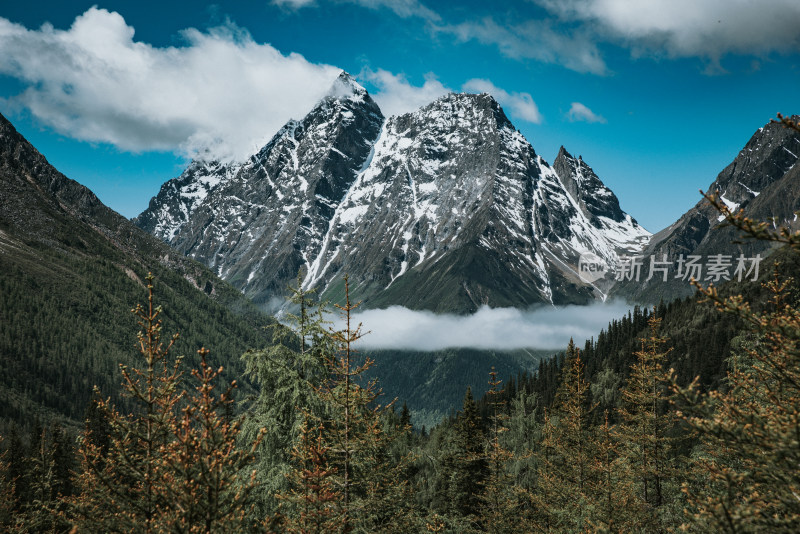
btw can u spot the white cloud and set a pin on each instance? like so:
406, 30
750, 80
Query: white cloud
519, 105
401, 8
684, 28
580, 113
221, 91
293, 4
534, 39
489, 328
396, 95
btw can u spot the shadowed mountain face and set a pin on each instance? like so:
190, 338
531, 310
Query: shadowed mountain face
71, 269
763, 181
446, 208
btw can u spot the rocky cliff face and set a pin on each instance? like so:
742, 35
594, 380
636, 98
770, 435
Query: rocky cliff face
257, 223
445, 208
763, 181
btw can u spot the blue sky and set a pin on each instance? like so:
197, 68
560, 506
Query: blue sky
658, 96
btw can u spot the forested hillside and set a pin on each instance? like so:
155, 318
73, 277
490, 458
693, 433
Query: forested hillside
698, 337
70, 271
608, 438
432, 383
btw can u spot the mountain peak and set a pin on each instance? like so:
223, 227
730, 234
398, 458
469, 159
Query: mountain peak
346, 87
463, 106
563, 154
442, 208
586, 188
478, 99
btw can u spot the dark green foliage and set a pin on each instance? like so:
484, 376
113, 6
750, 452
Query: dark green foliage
463, 467
66, 326
433, 383
647, 431
347, 465
36, 472
70, 268
697, 337
565, 459
288, 373
172, 463
522, 440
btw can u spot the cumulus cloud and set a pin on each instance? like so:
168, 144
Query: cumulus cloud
684, 28
519, 105
396, 95
580, 113
534, 39
221, 91
401, 8
488, 328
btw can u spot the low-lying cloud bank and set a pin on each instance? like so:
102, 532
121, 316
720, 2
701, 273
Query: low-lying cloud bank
488, 328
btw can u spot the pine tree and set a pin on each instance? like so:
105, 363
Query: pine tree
153, 470
501, 502
97, 431
63, 460
750, 452
370, 493
48, 481
646, 427
606, 389
522, 438
613, 506
122, 490
288, 373
567, 452
370, 483
469, 468
405, 417
205, 474
312, 496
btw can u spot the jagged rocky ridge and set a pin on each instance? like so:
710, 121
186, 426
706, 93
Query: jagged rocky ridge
763, 181
446, 208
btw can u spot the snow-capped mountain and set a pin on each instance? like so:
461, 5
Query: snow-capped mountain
179, 198
258, 222
445, 208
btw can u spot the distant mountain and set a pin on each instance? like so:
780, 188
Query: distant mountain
446, 208
71, 269
763, 181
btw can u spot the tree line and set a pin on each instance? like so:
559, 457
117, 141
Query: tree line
316, 450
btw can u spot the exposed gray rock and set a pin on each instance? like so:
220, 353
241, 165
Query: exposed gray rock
763, 181
446, 208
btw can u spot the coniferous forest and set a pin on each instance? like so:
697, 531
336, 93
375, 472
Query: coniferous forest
679, 418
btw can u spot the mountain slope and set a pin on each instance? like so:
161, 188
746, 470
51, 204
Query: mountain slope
446, 208
457, 204
260, 221
71, 269
763, 181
